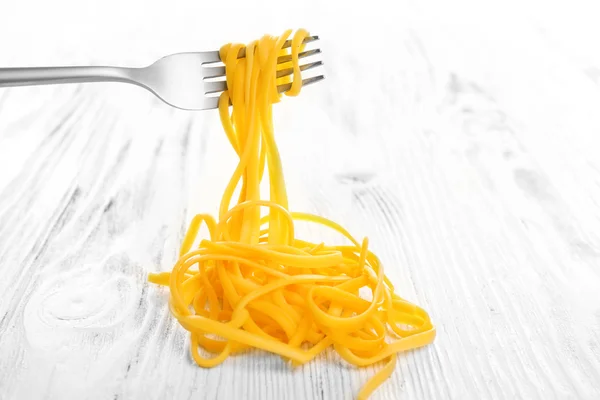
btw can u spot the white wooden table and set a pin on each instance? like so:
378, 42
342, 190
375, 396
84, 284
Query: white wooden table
462, 137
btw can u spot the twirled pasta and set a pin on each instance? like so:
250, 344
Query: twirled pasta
254, 284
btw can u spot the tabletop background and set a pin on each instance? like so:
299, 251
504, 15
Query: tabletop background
462, 137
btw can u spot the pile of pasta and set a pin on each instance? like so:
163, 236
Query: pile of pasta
253, 283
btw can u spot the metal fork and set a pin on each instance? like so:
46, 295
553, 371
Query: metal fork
189, 81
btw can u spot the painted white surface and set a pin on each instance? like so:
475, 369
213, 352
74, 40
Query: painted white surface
462, 137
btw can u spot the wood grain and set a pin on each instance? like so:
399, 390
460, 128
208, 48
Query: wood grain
461, 137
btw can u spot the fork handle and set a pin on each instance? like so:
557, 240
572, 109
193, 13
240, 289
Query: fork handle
54, 75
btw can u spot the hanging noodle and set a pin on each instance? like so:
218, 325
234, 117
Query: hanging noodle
254, 284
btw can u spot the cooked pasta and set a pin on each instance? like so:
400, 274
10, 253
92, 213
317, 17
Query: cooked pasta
253, 283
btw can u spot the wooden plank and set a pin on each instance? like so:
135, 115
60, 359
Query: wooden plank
468, 153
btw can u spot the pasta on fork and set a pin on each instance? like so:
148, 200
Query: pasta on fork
253, 283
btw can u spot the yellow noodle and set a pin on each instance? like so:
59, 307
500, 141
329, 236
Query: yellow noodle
253, 283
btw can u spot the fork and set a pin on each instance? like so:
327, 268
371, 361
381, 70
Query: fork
189, 81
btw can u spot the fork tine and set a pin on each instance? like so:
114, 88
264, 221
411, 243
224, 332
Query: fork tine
305, 82
289, 71
214, 72
288, 57
215, 87
307, 39
280, 88
286, 44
